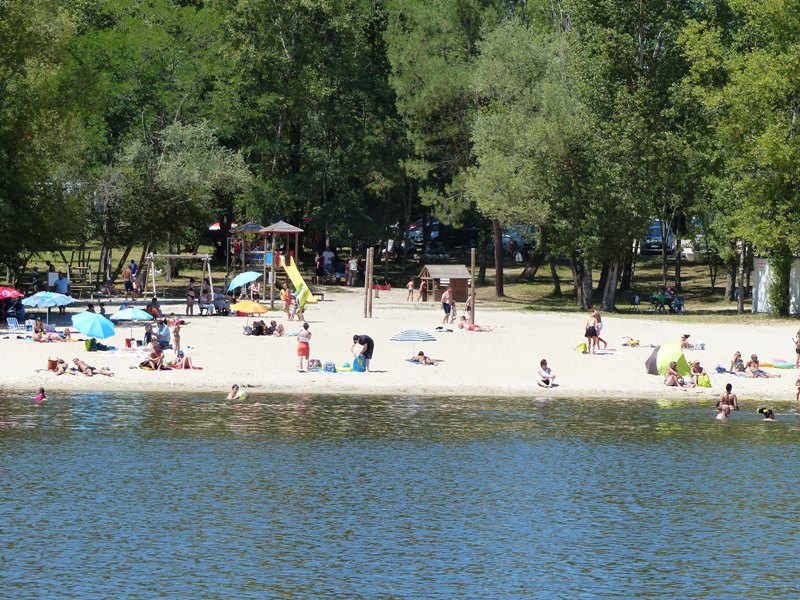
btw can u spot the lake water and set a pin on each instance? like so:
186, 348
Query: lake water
141, 496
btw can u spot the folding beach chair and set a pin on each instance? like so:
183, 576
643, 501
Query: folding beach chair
13, 324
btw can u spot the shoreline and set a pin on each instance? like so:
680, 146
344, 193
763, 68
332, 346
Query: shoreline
501, 363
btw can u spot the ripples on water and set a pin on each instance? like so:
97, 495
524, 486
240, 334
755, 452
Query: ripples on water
188, 497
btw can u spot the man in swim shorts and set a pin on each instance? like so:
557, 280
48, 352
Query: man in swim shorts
447, 304
591, 334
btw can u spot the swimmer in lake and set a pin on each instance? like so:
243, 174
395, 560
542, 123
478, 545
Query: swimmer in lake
236, 394
769, 415
40, 397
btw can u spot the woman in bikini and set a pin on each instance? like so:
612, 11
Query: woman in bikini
463, 324
729, 398
737, 364
190, 297
422, 359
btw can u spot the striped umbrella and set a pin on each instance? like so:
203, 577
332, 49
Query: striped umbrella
414, 336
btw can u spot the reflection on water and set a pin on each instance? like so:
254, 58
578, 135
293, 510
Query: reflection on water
130, 495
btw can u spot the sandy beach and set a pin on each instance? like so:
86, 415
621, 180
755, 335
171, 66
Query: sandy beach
498, 363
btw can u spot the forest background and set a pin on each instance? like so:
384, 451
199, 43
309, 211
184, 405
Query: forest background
138, 122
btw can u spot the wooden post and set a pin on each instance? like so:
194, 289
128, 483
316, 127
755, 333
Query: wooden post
210, 281
371, 269
472, 287
272, 275
264, 269
152, 263
296, 248
366, 285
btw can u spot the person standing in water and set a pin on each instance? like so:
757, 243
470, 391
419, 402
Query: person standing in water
40, 397
729, 398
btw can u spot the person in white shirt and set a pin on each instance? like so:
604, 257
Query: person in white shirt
352, 271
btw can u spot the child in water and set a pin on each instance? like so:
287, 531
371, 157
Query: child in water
40, 397
236, 394
767, 412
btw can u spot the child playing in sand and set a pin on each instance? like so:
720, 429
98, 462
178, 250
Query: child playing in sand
546, 376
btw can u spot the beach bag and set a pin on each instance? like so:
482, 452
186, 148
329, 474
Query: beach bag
581, 347
359, 364
248, 330
91, 345
314, 364
330, 367
703, 381
721, 369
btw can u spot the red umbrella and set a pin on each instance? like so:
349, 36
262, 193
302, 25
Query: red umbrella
8, 292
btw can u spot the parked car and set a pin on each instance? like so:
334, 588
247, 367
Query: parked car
654, 242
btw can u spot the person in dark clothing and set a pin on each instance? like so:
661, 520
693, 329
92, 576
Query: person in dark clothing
367, 347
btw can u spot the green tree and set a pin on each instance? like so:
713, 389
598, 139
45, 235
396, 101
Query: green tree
309, 104
40, 204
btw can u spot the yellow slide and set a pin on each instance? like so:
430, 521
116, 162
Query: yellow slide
303, 293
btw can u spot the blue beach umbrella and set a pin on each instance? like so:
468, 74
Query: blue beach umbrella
47, 300
243, 279
131, 314
93, 325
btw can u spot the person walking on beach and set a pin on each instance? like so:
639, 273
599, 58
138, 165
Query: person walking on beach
410, 287
599, 326
447, 304
423, 291
303, 348
591, 334
367, 347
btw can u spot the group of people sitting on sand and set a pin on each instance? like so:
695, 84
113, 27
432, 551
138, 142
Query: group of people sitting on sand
697, 376
751, 368
261, 328
40, 334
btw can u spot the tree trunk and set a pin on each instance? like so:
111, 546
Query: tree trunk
678, 263
601, 284
610, 289
627, 268
498, 258
664, 253
587, 283
122, 261
482, 259
732, 267
577, 275
740, 279
535, 260
556, 280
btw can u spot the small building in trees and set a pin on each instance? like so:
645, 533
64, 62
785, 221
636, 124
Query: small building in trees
439, 277
762, 276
